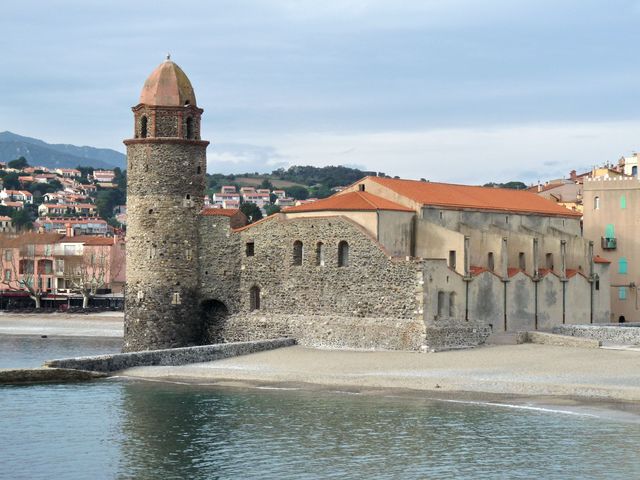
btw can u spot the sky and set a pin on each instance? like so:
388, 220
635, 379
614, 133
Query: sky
463, 91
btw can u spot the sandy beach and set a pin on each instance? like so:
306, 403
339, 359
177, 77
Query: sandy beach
499, 370
520, 370
105, 324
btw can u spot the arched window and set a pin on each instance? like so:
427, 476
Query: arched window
198, 169
143, 126
596, 203
190, 128
522, 264
343, 254
490, 262
622, 265
254, 298
320, 254
297, 252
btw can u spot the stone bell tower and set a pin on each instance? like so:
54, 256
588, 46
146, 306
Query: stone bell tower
165, 191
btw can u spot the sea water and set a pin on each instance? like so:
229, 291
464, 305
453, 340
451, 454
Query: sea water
121, 428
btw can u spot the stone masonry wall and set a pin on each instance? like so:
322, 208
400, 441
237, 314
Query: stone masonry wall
372, 285
373, 302
164, 197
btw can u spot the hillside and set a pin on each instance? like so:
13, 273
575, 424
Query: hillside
38, 152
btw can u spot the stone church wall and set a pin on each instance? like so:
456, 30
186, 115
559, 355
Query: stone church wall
374, 301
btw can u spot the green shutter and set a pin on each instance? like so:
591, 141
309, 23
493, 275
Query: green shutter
623, 201
622, 293
609, 232
622, 265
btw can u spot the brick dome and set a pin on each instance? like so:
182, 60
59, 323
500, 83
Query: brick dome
168, 86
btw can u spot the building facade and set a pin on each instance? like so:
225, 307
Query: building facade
611, 218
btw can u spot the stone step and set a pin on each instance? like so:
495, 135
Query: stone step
502, 338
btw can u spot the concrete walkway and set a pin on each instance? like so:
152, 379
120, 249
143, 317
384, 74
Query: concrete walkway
534, 370
107, 324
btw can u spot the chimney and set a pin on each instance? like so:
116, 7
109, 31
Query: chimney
69, 229
573, 175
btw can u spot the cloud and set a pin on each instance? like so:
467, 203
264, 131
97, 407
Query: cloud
242, 158
466, 155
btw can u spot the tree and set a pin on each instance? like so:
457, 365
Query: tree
25, 261
297, 192
91, 271
85, 171
22, 219
322, 191
271, 209
266, 184
252, 211
19, 163
11, 182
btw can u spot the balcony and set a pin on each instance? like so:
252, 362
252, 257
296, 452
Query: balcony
609, 243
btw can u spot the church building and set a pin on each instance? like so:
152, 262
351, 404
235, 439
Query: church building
384, 264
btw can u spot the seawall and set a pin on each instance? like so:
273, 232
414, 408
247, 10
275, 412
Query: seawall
168, 357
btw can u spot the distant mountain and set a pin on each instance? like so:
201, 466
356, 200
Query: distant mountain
40, 153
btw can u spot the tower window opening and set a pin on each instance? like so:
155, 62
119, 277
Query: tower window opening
452, 259
143, 126
175, 299
250, 249
190, 128
320, 254
298, 252
522, 264
150, 211
343, 254
361, 187
198, 169
254, 298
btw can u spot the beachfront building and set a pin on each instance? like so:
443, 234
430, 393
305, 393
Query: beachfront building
54, 267
404, 264
611, 215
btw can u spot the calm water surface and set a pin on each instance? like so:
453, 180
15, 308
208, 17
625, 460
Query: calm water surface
135, 429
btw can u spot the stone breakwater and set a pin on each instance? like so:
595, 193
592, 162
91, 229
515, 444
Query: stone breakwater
620, 333
168, 357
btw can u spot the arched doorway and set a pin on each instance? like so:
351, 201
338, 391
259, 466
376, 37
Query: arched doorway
214, 316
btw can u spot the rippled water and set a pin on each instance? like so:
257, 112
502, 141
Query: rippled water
134, 429
18, 351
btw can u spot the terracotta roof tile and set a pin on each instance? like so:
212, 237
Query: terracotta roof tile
349, 202
599, 259
88, 240
473, 197
220, 212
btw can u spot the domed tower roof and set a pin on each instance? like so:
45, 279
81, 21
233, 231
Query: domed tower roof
168, 86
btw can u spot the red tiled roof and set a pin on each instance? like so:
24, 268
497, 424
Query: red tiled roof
473, 197
88, 240
512, 271
599, 259
474, 270
349, 202
221, 212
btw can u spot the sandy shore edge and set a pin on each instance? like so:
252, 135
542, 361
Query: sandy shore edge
515, 374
